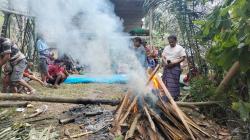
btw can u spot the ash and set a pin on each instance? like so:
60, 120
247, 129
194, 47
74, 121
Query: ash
93, 118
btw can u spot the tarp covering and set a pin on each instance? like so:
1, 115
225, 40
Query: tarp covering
109, 79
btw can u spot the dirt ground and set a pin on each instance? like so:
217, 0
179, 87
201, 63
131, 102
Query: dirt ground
56, 110
108, 91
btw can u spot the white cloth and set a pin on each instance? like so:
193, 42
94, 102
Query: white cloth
173, 53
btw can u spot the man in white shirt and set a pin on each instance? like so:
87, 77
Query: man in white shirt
172, 56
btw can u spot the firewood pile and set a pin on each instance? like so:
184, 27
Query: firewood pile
138, 118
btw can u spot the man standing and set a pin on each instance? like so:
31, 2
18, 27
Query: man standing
44, 55
10, 53
172, 56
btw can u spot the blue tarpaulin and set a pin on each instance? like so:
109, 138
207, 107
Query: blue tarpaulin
110, 79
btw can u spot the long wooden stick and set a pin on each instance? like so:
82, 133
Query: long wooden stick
175, 107
118, 114
15, 97
153, 74
150, 119
199, 103
132, 129
81, 134
128, 111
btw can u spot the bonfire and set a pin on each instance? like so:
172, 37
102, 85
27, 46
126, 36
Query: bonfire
136, 117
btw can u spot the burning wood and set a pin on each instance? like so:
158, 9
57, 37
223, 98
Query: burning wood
163, 120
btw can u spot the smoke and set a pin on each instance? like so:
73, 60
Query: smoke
90, 32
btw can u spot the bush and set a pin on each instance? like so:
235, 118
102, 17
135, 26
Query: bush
202, 89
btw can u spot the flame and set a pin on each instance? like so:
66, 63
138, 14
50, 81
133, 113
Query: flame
135, 109
155, 83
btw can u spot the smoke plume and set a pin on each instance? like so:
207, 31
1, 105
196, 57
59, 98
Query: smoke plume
89, 31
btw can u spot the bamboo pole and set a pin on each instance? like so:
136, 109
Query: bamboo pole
85, 101
175, 107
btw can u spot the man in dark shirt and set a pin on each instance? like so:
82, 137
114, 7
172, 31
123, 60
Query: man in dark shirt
9, 52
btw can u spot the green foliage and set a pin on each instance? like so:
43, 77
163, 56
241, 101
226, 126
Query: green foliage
202, 89
228, 28
243, 108
119, 137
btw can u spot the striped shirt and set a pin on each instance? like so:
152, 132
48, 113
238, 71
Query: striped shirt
8, 47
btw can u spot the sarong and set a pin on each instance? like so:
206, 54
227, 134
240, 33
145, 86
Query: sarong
171, 77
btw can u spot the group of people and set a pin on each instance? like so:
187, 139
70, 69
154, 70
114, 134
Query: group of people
15, 67
172, 56
53, 71
16, 70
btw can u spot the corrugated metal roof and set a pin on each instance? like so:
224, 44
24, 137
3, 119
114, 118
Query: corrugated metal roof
131, 11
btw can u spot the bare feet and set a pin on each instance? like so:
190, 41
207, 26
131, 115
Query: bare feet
33, 91
55, 86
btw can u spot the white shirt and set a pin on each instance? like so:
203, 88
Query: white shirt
173, 53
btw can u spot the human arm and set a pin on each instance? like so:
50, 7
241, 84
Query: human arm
180, 55
4, 59
32, 77
179, 60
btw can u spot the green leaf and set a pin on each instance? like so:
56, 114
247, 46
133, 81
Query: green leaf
224, 11
199, 22
243, 108
244, 58
218, 21
227, 57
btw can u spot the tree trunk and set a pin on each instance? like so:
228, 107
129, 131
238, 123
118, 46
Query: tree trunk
230, 74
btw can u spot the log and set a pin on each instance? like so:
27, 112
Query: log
153, 74
128, 111
230, 74
150, 119
167, 128
118, 113
13, 97
13, 104
85, 101
67, 120
142, 131
131, 131
208, 103
175, 107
